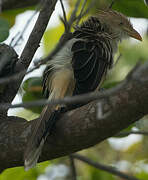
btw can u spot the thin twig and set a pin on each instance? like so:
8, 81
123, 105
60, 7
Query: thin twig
106, 168
82, 14
13, 38
0, 6
73, 168
121, 134
117, 60
85, 98
110, 6
61, 43
37, 33
73, 15
64, 20
33, 41
82, 9
20, 37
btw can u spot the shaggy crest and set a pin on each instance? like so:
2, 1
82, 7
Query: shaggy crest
114, 15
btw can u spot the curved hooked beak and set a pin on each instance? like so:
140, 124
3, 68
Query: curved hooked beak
134, 34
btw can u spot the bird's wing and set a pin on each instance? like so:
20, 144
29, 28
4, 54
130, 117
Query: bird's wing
42, 127
46, 75
90, 61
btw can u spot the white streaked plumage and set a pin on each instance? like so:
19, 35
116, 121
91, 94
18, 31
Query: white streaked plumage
79, 67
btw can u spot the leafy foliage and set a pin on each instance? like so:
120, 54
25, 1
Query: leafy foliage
32, 91
10, 15
52, 37
131, 53
4, 29
142, 175
131, 8
18, 173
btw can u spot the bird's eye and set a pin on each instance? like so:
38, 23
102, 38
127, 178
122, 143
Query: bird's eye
121, 23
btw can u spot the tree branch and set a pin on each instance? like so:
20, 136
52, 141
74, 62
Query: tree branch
33, 43
106, 168
77, 129
37, 33
133, 75
122, 134
73, 168
34, 40
7, 54
80, 128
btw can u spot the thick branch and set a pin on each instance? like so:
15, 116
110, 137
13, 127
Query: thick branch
80, 128
7, 54
37, 33
33, 42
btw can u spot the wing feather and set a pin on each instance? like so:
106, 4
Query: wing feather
90, 62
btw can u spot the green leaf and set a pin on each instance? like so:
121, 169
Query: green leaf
10, 15
27, 97
33, 85
98, 174
125, 130
18, 173
27, 114
142, 175
51, 38
132, 8
111, 84
33, 92
4, 29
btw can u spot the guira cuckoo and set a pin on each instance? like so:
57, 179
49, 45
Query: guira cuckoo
78, 68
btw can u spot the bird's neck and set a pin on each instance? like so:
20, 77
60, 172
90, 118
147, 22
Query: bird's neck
114, 44
113, 37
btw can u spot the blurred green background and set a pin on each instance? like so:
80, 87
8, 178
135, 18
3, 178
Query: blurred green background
128, 157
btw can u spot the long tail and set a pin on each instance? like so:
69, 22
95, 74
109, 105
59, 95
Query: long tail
42, 127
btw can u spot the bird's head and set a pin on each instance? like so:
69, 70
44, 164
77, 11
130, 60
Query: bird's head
118, 24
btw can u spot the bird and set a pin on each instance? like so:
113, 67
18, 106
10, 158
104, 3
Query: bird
79, 67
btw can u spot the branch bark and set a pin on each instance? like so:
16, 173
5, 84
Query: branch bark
77, 129
32, 43
80, 128
6, 89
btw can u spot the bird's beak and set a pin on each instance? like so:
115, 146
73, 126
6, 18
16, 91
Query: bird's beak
134, 34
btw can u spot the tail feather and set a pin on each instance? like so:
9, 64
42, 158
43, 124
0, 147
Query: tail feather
41, 129
33, 156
